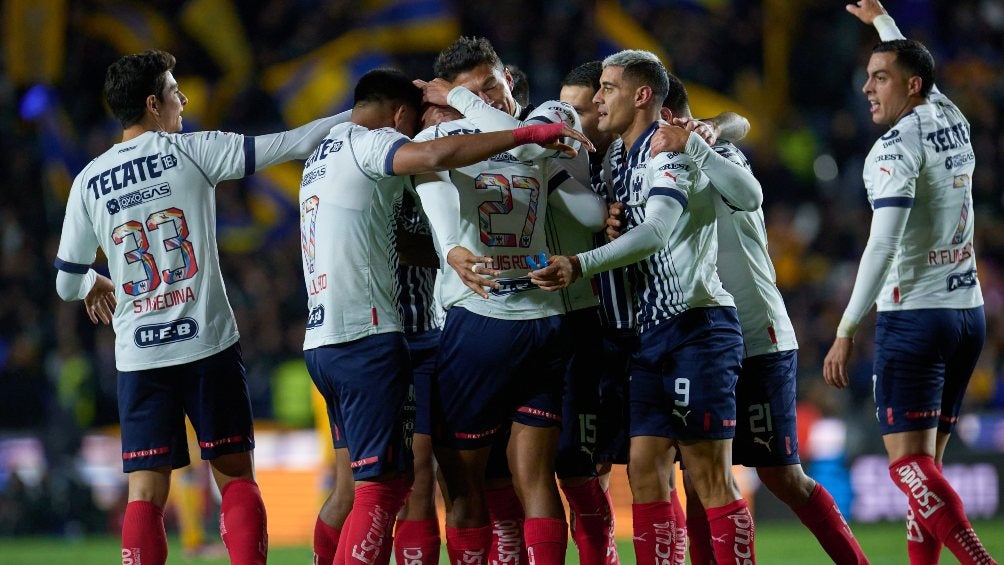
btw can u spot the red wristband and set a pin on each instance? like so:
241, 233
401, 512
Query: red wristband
541, 134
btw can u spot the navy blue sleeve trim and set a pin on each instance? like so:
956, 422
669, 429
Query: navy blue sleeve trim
555, 181
248, 155
674, 194
75, 268
896, 201
388, 165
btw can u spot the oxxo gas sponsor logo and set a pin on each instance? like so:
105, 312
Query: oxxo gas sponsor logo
953, 161
169, 332
138, 197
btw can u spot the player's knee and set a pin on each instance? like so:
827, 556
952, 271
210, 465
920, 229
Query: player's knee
788, 483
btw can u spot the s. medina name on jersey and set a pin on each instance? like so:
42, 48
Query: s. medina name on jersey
925, 163
149, 204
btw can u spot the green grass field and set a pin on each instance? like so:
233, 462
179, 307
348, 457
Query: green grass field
776, 542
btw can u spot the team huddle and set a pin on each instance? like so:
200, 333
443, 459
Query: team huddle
518, 297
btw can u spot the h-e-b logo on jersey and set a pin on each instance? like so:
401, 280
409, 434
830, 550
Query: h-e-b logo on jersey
152, 335
316, 317
961, 280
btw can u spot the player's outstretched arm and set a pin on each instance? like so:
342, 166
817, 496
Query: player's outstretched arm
489, 118
661, 215
297, 143
454, 151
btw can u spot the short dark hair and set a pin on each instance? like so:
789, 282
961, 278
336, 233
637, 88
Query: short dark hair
676, 100
465, 54
641, 68
912, 57
586, 74
520, 85
131, 79
387, 85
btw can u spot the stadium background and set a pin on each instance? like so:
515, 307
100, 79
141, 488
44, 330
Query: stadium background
794, 67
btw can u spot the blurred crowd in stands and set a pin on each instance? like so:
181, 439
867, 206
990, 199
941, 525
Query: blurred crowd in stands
57, 373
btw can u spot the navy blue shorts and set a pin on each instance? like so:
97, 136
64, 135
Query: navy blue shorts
683, 376
923, 362
581, 404
490, 371
612, 441
364, 384
153, 403
766, 430
423, 349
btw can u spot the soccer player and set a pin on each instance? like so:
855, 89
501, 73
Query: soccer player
765, 394
354, 345
684, 373
148, 202
502, 358
416, 538
919, 268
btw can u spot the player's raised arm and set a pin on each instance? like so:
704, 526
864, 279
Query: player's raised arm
455, 151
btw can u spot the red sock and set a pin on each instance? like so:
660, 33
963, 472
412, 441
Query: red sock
325, 542
653, 531
416, 542
921, 545
506, 515
591, 521
732, 533
699, 532
144, 541
937, 507
370, 540
680, 529
612, 558
342, 541
468, 546
546, 540
822, 517
242, 522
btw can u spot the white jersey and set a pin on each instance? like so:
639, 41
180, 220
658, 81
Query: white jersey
503, 205
925, 163
682, 275
747, 273
347, 204
566, 236
149, 203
